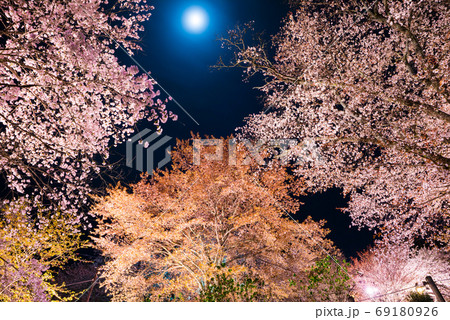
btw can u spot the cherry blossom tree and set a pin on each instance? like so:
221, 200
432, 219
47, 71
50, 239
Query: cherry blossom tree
368, 82
65, 98
167, 238
392, 269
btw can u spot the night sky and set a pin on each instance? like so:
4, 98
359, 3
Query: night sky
181, 62
219, 100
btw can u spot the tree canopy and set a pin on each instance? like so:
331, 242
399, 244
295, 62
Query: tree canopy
368, 83
167, 238
65, 98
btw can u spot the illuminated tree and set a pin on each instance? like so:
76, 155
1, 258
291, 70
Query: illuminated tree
368, 83
65, 99
394, 268
30, 253
166, 238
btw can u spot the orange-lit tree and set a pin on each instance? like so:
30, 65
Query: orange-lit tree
167, 238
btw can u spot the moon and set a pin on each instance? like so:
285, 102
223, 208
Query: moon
195, 19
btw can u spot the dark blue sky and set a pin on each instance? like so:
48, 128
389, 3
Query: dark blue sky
181, 62
218, 99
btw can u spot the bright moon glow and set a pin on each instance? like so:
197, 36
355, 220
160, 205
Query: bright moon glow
195, 19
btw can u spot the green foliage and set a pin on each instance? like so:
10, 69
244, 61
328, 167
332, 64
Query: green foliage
225, 288
419, 297
326, 282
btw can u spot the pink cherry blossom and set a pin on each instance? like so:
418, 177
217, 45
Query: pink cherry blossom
368, 81
65, 99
